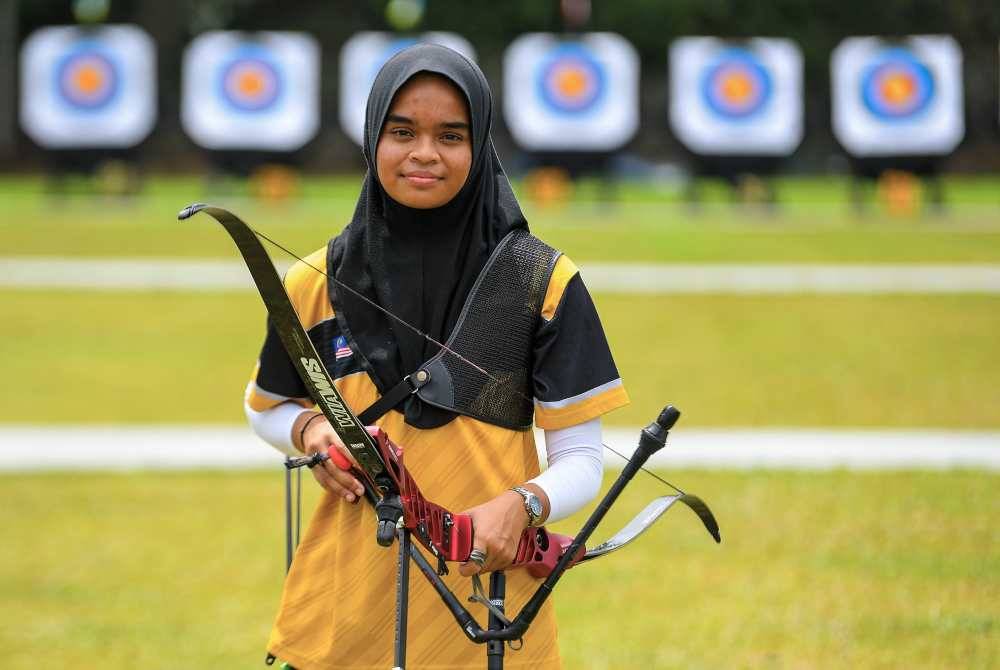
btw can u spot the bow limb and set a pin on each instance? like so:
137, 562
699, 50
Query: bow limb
650, 515
388, 486
301, 351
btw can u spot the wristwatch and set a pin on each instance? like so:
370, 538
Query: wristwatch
532, 505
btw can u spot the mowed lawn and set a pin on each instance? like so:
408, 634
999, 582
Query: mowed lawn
828, 361
646, 224
820, 570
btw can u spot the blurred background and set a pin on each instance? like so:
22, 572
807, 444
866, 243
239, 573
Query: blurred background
788, 214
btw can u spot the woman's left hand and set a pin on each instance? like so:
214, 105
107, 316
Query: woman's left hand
497, 526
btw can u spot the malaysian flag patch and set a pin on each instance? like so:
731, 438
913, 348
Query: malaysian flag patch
340, 347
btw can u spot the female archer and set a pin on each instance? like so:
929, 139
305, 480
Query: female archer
437, 251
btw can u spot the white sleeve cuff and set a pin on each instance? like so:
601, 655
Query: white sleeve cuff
576, 467
274, 425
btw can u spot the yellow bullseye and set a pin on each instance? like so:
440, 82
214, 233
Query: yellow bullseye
250, 83
88, 79
571, 82
898, 88
737, 87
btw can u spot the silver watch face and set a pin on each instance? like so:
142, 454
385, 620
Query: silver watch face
535, 505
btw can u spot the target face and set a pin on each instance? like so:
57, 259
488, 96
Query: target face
897, 99
88, 89
87, 79
363, 56
579, 95
736, 99
898, 87
571, 82
738, 86
255, 91
250, 82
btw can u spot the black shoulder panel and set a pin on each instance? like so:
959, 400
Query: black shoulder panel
495, 331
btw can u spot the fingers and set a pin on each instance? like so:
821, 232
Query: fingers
340, 483
476, 564
497, 556
327, 474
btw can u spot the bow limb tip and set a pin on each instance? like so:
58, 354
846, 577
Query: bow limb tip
191, 210
698, 506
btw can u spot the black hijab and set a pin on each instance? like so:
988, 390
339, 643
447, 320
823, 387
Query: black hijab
419, 264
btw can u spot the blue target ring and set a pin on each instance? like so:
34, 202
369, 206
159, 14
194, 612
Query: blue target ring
897, 86
250, 81
736, 85
87, 79
571, 81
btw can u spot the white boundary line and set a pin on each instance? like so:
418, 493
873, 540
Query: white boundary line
214, 275
31, 448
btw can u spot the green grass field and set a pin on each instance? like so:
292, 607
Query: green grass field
897, 361
814, 225
817, 570
832, 570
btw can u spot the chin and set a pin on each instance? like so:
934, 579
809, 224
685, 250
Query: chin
422, 202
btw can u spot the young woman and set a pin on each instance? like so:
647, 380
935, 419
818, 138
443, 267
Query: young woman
437, 240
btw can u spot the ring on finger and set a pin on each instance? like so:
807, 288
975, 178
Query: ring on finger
477, 556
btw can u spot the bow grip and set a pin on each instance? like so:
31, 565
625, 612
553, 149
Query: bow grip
460, 537
539, 551
338, 458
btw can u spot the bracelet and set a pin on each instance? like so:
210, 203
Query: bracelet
302, 433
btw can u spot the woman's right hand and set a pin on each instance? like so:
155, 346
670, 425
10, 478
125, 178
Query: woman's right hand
317, 438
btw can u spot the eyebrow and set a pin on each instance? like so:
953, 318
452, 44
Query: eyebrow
454, 125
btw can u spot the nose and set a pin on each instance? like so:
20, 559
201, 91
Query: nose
424, 151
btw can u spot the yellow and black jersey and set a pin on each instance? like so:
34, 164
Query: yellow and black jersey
338, 605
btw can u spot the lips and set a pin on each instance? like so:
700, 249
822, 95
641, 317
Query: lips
421, 178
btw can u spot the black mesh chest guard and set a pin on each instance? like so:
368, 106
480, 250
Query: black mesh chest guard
496, 332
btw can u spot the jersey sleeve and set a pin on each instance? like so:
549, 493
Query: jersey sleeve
274, 379
575, 377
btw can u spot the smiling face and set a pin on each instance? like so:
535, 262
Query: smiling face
424, 153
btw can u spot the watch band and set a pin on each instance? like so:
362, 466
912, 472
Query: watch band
534, 517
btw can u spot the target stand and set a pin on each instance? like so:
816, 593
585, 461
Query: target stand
571, 103
250, 101
898, 112
88, 98
736, 107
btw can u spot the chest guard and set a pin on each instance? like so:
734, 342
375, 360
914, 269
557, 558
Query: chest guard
495, 330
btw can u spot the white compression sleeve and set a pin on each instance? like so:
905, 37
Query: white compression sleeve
576, 467
274, 425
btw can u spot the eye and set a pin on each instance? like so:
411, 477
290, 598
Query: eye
401, 132
452, 137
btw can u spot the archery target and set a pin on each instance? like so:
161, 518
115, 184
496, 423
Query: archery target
576, 95
88, 88
250, 81
898, 87
737, 86
256, 91
363, 55
736, 99
87, 79
898, 99
571, 81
